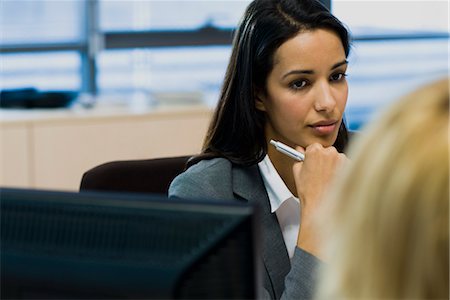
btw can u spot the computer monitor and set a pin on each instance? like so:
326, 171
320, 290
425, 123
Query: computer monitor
60, 245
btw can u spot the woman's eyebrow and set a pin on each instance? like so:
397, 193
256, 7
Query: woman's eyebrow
309, 72
337, 65
297, 72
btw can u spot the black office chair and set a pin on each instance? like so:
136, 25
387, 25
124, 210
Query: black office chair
140, 176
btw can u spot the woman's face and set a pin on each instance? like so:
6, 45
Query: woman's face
306, 91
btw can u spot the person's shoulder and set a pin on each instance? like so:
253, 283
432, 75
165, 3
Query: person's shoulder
207, 178
214, 165
209, 170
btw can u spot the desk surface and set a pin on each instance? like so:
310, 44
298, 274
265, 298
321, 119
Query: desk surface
100, 111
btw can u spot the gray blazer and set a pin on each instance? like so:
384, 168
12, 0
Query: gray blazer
219, 179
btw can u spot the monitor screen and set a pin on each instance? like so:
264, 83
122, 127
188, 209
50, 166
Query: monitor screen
91, 245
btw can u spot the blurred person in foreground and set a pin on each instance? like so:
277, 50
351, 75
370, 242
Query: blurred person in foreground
386, 220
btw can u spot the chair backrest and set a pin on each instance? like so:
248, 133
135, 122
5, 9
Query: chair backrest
141, 176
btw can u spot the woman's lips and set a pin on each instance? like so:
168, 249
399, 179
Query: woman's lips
324, 127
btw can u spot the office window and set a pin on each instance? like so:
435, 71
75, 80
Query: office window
44, 70
33, 28
124, 15
398, 46
161, 70
373, 17
43, 21
41, 43
180, 69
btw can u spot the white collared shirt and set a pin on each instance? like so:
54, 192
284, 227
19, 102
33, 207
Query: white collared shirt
283, 203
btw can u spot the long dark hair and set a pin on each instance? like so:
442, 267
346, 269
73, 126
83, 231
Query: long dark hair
236, 131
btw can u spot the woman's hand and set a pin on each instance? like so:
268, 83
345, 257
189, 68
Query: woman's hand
312, 177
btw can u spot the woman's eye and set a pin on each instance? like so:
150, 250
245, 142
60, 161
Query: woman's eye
298, 84
338, 76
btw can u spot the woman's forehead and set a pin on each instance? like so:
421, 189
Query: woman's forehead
309, 48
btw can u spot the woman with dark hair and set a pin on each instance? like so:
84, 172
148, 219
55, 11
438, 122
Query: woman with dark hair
285, 81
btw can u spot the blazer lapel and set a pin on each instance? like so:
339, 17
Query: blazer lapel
248, 184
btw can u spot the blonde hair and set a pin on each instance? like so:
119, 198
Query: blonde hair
388, 216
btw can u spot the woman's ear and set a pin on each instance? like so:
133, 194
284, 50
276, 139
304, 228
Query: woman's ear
259, 101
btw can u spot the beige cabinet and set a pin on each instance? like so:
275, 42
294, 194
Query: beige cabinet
15, 155
51, 150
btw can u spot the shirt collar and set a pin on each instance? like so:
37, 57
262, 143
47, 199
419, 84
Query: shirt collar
275, 186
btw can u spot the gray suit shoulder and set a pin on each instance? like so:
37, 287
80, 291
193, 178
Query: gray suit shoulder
208, 166
211, 179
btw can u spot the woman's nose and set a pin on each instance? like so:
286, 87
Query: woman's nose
324, 98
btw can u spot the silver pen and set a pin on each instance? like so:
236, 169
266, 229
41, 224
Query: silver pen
285, 149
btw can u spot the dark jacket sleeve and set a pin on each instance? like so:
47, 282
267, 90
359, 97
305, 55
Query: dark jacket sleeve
301, 280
